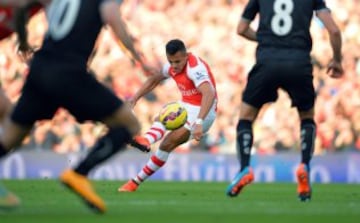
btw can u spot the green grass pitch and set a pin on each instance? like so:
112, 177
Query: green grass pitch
185, 202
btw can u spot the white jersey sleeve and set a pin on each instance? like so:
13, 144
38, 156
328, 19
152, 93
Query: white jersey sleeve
165, 70
198, 74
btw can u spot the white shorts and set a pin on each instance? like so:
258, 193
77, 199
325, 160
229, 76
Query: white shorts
193, 111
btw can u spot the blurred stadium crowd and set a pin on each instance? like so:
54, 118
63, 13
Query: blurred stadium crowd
208, 29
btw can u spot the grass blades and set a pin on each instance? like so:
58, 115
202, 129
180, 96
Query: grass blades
185, 202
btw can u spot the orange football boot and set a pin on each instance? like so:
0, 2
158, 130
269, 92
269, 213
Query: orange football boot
141, 143
303, 178
130, 186
81, 186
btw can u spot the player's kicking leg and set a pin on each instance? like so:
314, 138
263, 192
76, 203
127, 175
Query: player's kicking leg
143, 143
154, 134
156, 161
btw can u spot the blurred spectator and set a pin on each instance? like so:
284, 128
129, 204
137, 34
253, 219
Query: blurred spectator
43, 137
209, 29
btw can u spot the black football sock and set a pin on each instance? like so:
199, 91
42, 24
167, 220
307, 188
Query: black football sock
108, 145
308, 132
244, 141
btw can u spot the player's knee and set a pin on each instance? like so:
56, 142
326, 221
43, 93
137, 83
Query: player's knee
118, 136
243, 124
157, 119
129, 120
173, 140
306, 114
169, 144
134, 128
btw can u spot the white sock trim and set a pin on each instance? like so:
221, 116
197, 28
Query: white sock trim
162, 155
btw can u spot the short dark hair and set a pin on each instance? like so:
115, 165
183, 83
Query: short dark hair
174, 46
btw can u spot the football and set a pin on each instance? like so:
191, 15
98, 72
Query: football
173, 115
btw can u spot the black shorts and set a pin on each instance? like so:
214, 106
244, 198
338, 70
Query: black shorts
51, 85
294, 77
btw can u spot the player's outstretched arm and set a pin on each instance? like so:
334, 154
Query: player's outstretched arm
334, 68
111, 15
244, 29
151, 82
207, 101
110, 12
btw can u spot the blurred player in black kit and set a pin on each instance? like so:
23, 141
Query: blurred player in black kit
9, 10
59, 77
282, 61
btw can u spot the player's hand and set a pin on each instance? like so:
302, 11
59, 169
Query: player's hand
335, 69
197, 131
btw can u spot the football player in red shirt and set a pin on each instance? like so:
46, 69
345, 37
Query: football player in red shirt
197, 86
